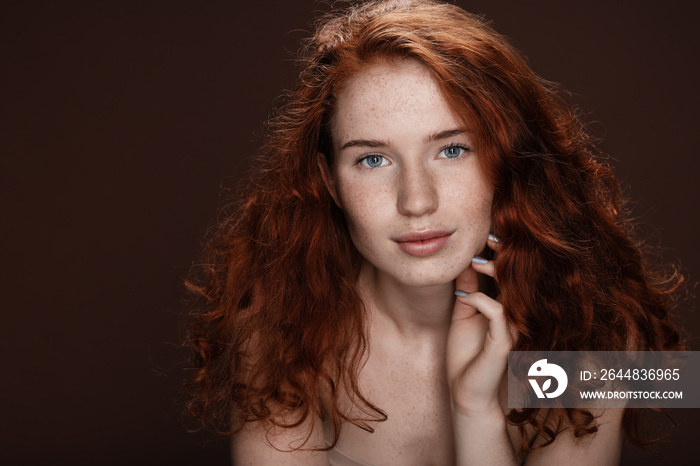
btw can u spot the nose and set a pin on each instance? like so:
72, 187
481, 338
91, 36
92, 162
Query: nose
417, 192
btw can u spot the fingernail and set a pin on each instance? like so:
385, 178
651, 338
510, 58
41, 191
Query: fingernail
494, 238
479, 260
461, 293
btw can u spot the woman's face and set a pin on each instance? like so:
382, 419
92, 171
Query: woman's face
406, 173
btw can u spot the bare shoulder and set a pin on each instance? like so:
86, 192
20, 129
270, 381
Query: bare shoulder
264, 444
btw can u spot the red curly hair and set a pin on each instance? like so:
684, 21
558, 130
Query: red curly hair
282, 325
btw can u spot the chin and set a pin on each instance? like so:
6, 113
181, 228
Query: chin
419, 274
428, 279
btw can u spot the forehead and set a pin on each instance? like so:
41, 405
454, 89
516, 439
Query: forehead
385, 79
388, 96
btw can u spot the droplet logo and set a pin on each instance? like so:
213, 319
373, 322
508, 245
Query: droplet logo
543, 369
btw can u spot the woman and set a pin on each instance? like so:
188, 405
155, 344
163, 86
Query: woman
418, 159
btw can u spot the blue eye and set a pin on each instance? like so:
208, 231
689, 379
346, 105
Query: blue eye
372, 161
452, 152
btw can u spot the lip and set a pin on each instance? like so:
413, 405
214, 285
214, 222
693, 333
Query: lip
423, 243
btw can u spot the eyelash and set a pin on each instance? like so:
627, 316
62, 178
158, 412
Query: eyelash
365, 157
449, 146
442, 149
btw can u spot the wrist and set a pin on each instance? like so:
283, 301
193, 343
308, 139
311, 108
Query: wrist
483, 414
481, 437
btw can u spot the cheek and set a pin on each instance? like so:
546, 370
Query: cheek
471, 195
366, 210
482, 214
485, 204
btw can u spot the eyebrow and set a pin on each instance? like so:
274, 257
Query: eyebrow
375, 143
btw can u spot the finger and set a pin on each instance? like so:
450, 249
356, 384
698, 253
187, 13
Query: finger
484, 266
461, 310
493, 311
468, 280
514, 334
488, 268
493, 242
489, 307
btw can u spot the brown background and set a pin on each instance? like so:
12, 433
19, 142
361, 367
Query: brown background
119, 124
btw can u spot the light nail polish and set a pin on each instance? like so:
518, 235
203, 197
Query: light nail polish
479, 260
461, 293
494, 238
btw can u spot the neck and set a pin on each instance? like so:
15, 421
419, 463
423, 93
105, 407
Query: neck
410, 310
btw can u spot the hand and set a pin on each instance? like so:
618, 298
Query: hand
477, 344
